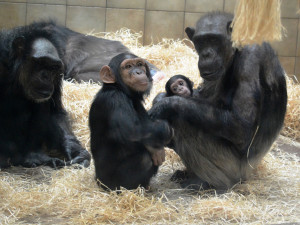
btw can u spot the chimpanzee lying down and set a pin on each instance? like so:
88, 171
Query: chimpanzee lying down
82, 55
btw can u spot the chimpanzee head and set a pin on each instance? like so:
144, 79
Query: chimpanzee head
40, 68
212, 41
128, 72
179, 85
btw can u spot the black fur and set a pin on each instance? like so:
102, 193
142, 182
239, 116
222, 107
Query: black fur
121, 131
34, 127
224, 132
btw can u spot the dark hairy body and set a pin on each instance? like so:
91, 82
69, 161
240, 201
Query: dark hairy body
127, 146
224, 132
34, 127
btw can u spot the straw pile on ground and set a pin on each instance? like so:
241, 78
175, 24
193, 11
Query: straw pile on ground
71, 196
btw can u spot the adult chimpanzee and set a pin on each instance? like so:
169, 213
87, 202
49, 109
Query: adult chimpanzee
127, 146
82, 55
179, 85
34, 127
223, 134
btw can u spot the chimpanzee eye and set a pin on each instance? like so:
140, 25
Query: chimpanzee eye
139, 64
181, 83
128, 66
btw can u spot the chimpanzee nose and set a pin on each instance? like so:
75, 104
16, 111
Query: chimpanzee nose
207, 53
138, 71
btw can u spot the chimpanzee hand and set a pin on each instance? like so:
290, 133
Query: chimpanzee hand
158, 157
156, 134
75, 153
83, 159
166, 108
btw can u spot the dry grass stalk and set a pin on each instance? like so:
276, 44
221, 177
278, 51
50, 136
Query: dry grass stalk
256, 21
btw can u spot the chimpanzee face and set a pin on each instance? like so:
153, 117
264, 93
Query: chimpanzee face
40, 71
180, 87
215, 55
39, 76
129, 72
134, 74
212, 41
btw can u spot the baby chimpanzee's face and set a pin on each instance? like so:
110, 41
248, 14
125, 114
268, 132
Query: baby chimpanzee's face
180, 88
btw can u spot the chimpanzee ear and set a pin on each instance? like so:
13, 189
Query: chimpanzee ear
229, 28
18, 45
190, 32
106, 75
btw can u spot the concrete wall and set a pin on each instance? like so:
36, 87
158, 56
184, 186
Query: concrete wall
155, 18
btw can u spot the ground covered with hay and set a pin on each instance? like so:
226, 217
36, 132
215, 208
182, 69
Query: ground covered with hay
70, 195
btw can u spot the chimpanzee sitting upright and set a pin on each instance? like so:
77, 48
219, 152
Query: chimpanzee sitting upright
34, 127
123, 137
179, 85
223, 133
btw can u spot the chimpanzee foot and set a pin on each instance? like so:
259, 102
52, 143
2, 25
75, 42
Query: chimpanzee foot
35, 159
189, 180
195, 184
179, 176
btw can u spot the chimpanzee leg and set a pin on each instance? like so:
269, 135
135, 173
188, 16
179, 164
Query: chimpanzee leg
207, 161
135, 170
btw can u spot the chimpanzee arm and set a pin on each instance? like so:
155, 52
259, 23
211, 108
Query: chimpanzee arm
158, 97
69, 144
125, 124
235, 123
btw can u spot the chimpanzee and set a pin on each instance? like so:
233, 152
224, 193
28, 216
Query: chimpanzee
179, 85
223, 133
82, 55
34, 127
127, 146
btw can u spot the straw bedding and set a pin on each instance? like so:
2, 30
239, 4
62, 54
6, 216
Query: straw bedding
70, 195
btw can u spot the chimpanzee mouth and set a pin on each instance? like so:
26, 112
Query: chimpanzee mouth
41, 96
209, 75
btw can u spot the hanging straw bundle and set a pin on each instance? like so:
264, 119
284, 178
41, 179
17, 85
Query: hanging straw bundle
256, 21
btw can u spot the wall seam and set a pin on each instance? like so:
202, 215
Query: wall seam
66, 13
183, 24
105, 19
297, 45
26, 5
144, 33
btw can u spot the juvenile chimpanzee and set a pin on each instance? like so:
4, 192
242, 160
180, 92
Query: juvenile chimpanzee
179, 85
127, 146
82, 55
34, 127
223, 134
